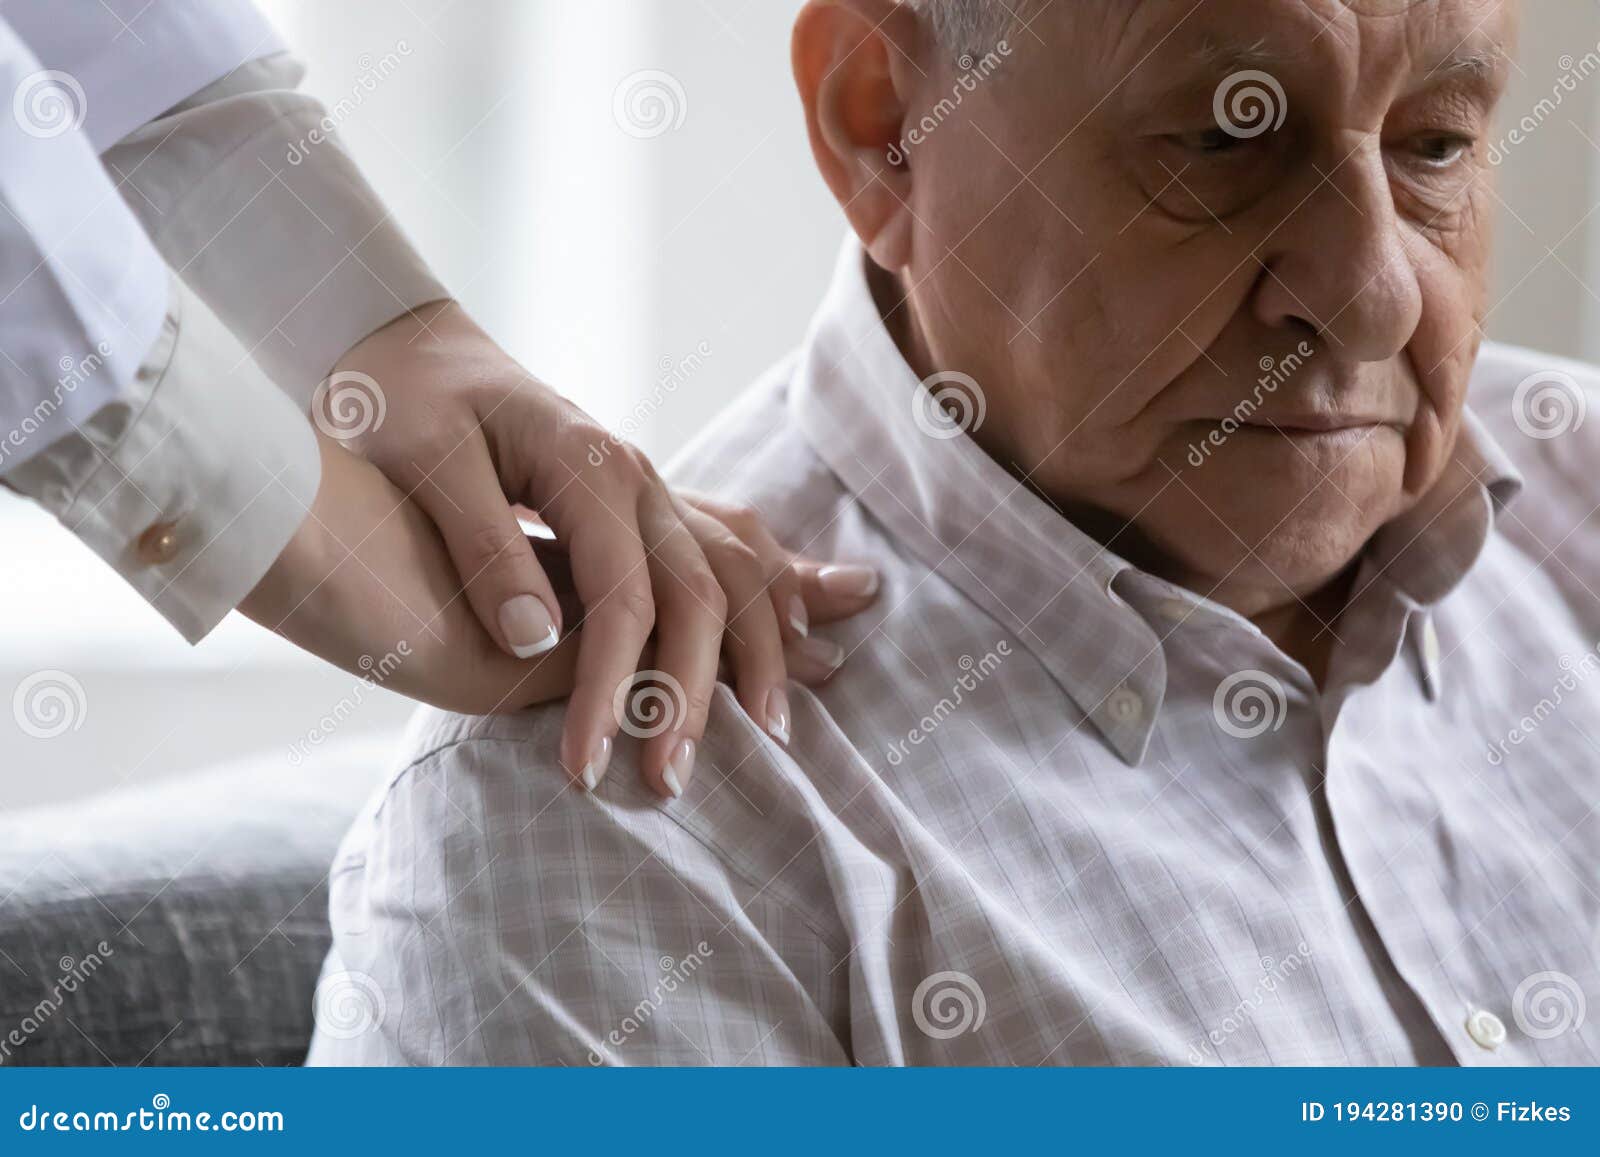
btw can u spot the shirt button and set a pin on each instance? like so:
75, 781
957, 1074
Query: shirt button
158, 544
1430, 645
1125, 706
1486, 1029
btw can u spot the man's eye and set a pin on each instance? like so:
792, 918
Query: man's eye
1208, 142
1442, 149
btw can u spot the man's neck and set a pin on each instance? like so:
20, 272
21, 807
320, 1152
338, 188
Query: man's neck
1302, 625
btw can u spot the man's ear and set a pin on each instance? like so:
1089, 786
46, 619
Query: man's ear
854, 64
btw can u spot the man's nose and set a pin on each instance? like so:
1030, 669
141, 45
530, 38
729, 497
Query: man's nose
1339, 264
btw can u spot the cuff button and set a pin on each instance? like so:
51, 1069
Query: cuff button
158, 544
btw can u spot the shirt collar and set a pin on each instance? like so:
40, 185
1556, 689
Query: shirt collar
1086, 614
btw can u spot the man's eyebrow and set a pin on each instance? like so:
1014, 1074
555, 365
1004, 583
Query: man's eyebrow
1482, 66
1260, 55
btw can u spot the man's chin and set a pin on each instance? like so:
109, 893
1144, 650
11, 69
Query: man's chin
1287, 533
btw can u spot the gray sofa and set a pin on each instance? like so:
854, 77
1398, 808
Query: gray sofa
179, 923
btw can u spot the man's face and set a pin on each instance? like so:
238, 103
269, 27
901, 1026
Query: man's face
1250, 338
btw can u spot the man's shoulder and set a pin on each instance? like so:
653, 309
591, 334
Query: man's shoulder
749, 822
1543, 412
754, 454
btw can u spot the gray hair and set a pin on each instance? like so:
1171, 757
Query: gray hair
968, 25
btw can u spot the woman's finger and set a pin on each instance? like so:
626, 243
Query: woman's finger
754, 641
691, 614
503, 581
612, 580
833, 591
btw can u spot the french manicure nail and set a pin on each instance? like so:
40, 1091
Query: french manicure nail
680, 768
819, 650
778, 715
848, 581
797, 616
595, 770
528, 627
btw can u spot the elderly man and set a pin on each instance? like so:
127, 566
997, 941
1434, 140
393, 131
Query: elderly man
1219, 705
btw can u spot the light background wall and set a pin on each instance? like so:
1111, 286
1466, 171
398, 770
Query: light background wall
598, 258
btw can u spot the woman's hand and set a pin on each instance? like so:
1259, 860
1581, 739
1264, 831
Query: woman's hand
464, 433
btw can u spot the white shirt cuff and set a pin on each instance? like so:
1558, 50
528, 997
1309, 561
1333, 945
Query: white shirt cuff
192, 481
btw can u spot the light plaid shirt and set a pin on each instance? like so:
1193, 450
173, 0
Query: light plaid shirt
1053, 810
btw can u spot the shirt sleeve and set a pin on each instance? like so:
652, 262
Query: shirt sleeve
192, 479
247, 193
82, 291
487, 913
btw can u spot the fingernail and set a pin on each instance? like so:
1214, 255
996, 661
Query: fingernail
797, 616
819, 650
595, 770
778, 715
528, 627
848, 580
680, 768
